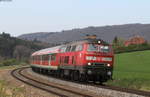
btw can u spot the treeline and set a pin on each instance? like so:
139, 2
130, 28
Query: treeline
119, 46
14, 49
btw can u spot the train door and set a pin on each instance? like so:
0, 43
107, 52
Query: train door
79, 56
49, 60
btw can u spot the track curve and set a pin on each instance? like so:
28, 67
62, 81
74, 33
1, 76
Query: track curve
17, 73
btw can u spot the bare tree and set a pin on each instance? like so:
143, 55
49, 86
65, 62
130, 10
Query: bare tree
21, 52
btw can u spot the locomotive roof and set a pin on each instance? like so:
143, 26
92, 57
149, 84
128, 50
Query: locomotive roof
88, 41
56, 49
47, 51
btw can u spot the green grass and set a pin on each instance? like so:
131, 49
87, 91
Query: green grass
9, 67
132, 70
6, 90
13, 66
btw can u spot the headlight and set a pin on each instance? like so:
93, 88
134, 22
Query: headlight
89, 72
90, 58
89, 64
108, 65
109, 73
106, 59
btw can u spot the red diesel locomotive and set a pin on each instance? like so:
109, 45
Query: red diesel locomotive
90, 59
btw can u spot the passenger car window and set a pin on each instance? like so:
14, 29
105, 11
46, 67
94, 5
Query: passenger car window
44, 57
53, 57
63, 49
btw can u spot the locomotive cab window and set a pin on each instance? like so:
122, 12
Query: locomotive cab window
98, 48
105, 49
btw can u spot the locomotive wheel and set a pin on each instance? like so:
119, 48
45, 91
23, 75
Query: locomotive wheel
45, 71
72, 75
32, 68
58, 74
76, 75
38, 70
62, 74
82, 77
42, 71
96, 79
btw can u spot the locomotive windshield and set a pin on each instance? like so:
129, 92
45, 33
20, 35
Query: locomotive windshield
98, 48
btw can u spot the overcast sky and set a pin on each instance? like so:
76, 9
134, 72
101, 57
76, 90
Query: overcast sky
25, 16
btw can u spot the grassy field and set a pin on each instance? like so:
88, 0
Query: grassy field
6, 88
10, 67
132, 70
13, 66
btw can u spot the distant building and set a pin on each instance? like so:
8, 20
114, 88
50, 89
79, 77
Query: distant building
135, 40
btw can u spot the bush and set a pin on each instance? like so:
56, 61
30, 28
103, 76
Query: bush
9, 62
131, 48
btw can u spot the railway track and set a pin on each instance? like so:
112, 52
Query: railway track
51, 88
123, 91
120, 89
132, 91
17, 73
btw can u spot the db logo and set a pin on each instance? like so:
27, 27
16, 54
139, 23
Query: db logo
98, 58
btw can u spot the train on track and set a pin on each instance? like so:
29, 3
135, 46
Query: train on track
88, 59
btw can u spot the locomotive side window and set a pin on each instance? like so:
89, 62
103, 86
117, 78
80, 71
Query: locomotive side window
68, 49
79, 47
60, 60
73, 60
66, 59
73, 48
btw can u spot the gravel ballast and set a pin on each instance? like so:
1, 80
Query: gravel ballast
97, 90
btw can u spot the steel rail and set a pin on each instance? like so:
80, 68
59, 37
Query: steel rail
16, 73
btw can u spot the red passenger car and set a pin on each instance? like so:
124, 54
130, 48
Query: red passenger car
90, 59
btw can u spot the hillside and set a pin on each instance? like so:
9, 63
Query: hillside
106, 33
11, 47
